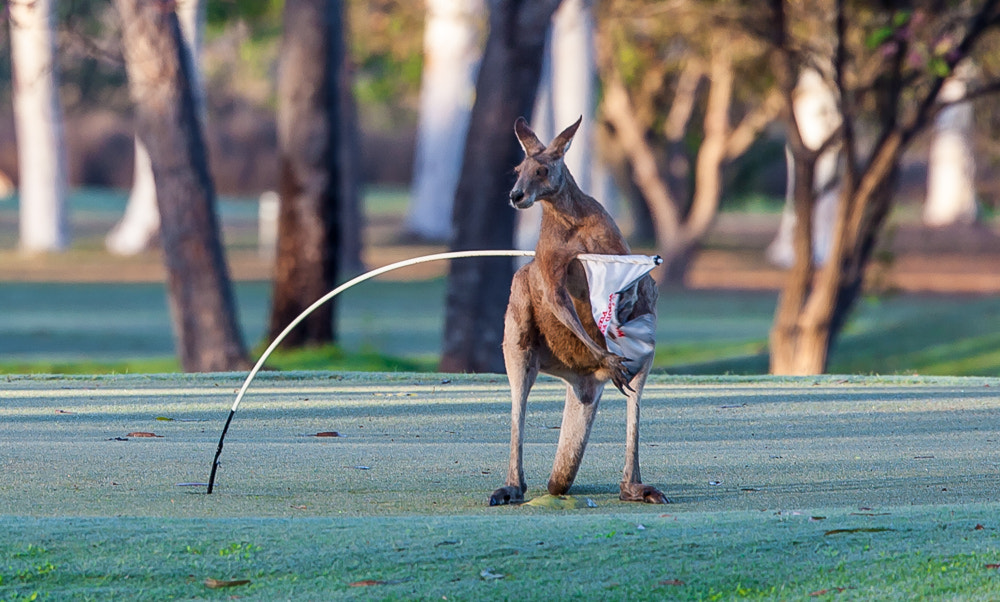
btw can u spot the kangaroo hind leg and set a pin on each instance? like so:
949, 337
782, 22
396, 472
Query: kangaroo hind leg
632, 488
520, 354
582, 398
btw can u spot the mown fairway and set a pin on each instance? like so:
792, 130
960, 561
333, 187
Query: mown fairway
845, 487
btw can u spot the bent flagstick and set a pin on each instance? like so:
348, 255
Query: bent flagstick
634, 337
613, 280
319, 302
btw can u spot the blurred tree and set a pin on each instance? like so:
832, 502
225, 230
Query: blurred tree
41, 146
890, 65
818, 117
654, 58
951, 162
482, 219
567, 90
310, 123
447, 89
138, 227
166, 113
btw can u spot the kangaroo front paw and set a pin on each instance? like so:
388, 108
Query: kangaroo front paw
620, 375
637, 492
506, 495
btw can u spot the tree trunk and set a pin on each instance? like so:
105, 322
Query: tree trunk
41, 149
818, 117
478, 288
309, 138
352, 218
200, 291
138, 227
447, 90
566, 92
951, 165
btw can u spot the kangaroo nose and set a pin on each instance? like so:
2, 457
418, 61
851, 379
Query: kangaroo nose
515, 196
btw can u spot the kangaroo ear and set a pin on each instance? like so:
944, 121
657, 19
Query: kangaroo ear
561, 143
529, 141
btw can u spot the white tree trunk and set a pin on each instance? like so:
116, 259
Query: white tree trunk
41, 150
452, 51
951, 165
140, 224
816, 112
567, 91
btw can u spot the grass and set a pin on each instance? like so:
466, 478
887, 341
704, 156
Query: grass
397, 325
785, 489
917, 553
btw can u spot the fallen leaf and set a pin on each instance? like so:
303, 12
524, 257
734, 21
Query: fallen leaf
859, 530
142, 434
327, 434
366, 583
671, 582
824, 592
219, 583
488, 574
993, 566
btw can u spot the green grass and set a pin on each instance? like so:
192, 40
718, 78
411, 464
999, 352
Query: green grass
397, 326
852, 488
917, 553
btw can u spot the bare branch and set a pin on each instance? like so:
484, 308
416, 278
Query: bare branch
753, 123
682, 108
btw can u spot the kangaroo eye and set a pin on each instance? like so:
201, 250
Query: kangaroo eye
542, 172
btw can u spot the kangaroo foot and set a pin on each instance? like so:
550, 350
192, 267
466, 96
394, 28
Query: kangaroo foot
511, 494
637, 492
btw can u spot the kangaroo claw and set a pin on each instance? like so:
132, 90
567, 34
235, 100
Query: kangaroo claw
637, 492
620, 375
506, 495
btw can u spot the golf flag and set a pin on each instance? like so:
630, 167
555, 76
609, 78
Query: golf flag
612, 280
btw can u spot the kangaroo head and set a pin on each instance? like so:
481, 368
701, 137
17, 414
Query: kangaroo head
542, 174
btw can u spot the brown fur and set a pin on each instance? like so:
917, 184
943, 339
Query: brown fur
549, 326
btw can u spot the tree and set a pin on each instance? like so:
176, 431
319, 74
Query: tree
41, 149
166, 115
447, 89
310, 149
889, 68
818, 117
482, 219
951, 163
567, 90
642, 71
137, 228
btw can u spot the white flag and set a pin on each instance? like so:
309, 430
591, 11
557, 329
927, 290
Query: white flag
612, 280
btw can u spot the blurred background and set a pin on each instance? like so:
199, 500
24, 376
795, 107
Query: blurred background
670, 91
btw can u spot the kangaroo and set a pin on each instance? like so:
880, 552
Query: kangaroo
549, 326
